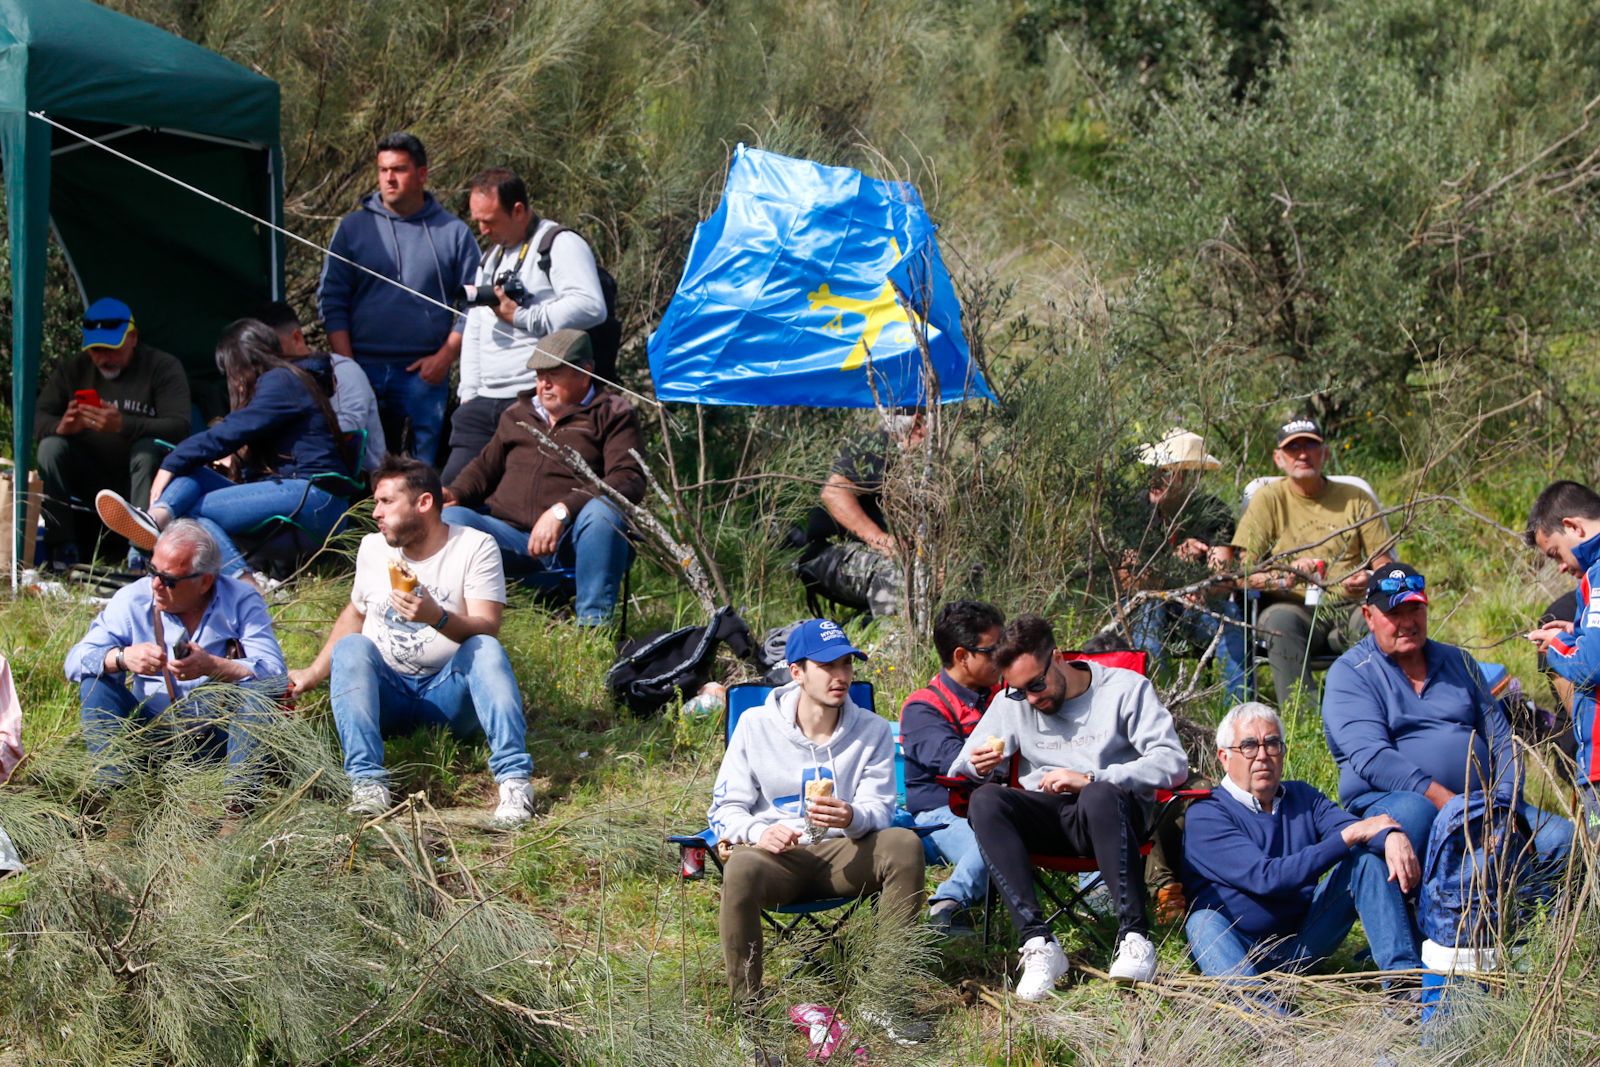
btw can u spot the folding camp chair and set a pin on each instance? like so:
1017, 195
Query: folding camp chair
785, 920
1068, 895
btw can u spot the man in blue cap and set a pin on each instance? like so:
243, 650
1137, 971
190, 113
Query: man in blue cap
97, 421
804, 801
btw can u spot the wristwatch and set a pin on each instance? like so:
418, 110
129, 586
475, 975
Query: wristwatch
1089, 775
562, 512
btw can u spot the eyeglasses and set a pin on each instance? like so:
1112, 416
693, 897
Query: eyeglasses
172, 581
981, 650
103, 324
1250, 746
1038, 685
1412, 582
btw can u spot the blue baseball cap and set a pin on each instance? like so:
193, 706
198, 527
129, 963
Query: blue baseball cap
821, 640
106, 323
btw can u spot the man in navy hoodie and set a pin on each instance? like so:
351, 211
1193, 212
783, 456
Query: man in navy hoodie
404, 343
1564, 524
1255, 849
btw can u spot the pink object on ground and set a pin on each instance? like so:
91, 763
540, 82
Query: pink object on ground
826, 1032
10, 723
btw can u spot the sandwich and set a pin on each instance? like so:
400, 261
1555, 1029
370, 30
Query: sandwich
818, 787
996, 743
401, 577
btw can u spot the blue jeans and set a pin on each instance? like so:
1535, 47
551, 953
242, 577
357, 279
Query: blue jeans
594, 552
958, 846
402, 395
211, 723
1552, 834
475, 692
1358, 885
226, 508
1153, 623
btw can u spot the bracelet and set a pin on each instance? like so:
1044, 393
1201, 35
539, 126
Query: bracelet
444, 617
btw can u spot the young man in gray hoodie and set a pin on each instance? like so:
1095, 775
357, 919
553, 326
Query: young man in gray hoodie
406, 345
789, 844
1093, 743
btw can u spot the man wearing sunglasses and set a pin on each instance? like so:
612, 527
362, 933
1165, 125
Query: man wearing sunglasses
1094, 743
1411, 722
97, 420
161, 638
1254, 855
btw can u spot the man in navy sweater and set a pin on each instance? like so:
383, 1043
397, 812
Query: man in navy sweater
934, 724
1255, 849
1411, 722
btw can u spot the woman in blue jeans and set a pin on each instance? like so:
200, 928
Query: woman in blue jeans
285, 448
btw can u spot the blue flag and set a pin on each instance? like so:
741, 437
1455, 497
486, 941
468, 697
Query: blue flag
803, 290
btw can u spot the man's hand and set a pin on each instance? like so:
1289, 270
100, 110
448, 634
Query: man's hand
105, 418
434, 369
506, 308
984, 760
1356, 584
1364, 830
303, 681
1309, 568
416, 606
1192, 550
778, 838
830, 812
1542, 637
449, 496
147, 658
71, 420
1438, 795
546, 533
882, 543
197, 664
1402, 860
1063, 781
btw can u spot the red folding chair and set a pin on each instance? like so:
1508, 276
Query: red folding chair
1058, 878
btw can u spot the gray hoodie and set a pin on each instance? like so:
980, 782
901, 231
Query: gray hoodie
763, 777
1118, 728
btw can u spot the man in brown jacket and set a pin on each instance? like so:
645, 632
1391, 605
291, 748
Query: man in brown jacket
527, 496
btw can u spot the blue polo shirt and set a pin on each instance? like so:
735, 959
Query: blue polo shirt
1386, 737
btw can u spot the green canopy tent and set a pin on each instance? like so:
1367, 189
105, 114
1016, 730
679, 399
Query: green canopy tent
185, 265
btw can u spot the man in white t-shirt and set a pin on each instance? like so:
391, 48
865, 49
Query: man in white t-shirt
403, 657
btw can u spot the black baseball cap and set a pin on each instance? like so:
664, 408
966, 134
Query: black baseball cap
1395, 584
1297, 428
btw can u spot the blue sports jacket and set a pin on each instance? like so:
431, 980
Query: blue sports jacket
1576, 657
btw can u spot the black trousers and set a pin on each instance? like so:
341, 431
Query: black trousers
470, 429
1103, 823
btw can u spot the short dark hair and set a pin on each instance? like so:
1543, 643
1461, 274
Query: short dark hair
508, 187
1025, 635
419, 477
279, 315
962, 624
1560, 500
402, 141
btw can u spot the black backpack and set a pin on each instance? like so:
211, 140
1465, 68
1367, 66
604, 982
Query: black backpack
651, 671
606, 337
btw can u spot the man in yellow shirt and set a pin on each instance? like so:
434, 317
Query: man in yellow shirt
1310, 544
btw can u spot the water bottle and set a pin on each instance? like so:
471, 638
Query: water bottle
1313, 590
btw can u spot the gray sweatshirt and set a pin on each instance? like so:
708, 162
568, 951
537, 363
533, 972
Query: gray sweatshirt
763, 777
1118, 728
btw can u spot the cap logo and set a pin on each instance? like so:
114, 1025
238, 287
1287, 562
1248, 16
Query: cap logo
1299, 426
1397, 574
829, 631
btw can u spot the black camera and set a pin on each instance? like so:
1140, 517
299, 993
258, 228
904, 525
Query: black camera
483, 296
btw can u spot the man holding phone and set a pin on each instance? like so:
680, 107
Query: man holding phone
97, 421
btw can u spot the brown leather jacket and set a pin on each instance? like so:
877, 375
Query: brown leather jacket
520, 477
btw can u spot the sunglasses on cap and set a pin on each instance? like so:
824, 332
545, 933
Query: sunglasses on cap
103, 324
1410, 583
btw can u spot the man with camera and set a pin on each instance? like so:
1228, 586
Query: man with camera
404, 343
97, 420
521, 294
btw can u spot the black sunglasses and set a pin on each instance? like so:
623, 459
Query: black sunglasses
1250, 746
172, 581
981, 650
1038, 685
103, 324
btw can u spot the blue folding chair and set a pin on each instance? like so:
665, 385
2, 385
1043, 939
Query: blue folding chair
786, 920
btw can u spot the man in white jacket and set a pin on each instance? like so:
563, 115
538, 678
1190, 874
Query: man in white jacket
1093, 743
560, 293
788, 843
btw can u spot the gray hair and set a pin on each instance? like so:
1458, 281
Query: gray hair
207, 557
1250, 711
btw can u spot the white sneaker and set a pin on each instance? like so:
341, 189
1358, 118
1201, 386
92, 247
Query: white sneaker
1042, 963
516, 804
369, 797
1136, 959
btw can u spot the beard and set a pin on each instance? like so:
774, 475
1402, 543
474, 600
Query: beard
402, 534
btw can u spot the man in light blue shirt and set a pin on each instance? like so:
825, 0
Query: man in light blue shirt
165, 636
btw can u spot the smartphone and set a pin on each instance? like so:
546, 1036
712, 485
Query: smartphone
180, 648
86, 398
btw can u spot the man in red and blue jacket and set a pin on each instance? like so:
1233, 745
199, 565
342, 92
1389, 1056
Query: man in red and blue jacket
1564, 524
934, 724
